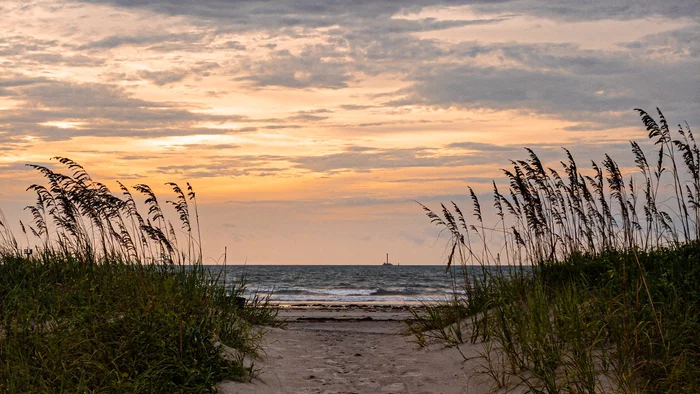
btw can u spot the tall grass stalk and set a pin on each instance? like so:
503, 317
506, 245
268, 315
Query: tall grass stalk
114, 299
613, 292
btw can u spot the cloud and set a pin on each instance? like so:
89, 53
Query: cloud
162, 78
355, 201
355, 107
145, 38
17, 44
674, 45
99, 110
173, 75
307, 70
315, 14
438, 179
573, 10
505, 88
310, 116
233, 44
336, 46
477, 146
330, 45
20, 80
289, 13
57, 59
355, 159
229, 166
17, 167
127, 176
591, 87
360, 159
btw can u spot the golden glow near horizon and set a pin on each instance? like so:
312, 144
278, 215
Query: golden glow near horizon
314, 128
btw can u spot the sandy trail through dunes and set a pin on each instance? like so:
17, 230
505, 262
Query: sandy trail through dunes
346, 355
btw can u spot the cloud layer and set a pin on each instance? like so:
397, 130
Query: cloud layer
354, 107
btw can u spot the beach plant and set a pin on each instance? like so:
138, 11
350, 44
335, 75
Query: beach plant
593, 281
114, 298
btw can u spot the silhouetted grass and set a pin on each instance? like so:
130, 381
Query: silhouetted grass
612, 300
112, 301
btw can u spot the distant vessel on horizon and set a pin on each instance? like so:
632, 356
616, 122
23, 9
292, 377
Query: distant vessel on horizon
387, 260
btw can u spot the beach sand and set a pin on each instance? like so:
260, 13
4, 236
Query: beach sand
358, 349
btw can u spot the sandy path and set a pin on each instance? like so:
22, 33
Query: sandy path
345, 355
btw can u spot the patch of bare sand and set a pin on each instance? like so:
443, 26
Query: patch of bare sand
336, 351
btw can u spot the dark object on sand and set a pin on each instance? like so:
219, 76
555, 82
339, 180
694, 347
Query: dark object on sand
240, 302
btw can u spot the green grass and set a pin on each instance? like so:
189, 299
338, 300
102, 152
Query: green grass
599, 289
112, 301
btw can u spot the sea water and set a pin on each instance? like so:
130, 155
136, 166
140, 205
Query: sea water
332, 284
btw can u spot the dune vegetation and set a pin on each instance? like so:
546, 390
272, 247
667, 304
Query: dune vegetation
588, 280
115, 300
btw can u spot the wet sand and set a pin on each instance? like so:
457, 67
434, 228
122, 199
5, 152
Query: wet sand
357, 350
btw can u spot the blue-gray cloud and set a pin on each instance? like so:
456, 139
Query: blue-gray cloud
320, 13
369, 38
574, 10
354, 160
143, 39
586, 86
101, 110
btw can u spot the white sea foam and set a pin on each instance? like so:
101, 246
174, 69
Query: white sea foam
351, 284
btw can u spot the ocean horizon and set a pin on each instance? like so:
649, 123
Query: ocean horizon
345, 284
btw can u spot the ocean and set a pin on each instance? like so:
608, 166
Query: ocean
343, 284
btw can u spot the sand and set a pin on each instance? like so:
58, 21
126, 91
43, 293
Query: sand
358, 350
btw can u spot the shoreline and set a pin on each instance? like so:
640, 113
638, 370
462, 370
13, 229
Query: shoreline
351, 312
388, 303
345, 305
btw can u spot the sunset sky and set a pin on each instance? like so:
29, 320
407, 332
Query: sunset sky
309, 127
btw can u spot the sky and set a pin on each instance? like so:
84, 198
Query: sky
310, 128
